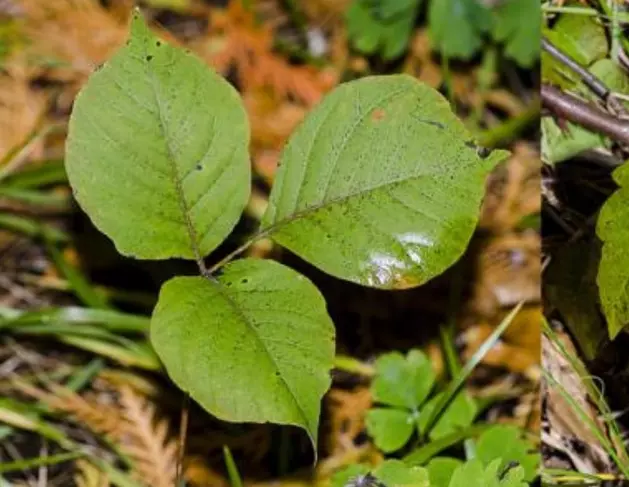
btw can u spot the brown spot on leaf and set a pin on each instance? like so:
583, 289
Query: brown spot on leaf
405, 282
378, 114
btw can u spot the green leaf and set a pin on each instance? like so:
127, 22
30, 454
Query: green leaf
392, 473
257, 345
456, 26
474, 474
395, 473
362, 29
347, 474
560, 144
389, 9
584, 38
440, 470
518, 23
506, 442
384, 27
613, 278
459, 415
427, 451
610, 73
380, 184
390, 428
397, 35
569, 286
403, 382
157, 151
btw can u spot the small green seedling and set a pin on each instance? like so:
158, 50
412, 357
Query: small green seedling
389, 473
394, 473
380, 185
402, 386
403, 389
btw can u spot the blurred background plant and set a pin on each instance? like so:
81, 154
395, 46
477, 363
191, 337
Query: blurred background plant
585, 69
84, 401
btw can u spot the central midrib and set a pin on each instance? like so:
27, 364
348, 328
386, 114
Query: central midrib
176, 180
333, 201
234, 305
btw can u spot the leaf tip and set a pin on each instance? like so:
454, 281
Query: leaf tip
139, 27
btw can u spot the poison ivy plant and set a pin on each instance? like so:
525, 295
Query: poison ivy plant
613, 279
260, 358
380, 185
136, 162
402, 386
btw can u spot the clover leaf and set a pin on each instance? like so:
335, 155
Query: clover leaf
346, 475
403, 385
506, 442
441, 469
390, 428
475, 474
392, 473
403, 382
397, 473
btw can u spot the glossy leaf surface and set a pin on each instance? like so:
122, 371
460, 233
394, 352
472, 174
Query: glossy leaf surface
380, 185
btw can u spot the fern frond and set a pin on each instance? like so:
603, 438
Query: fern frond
88, 475
153, 452
100, 418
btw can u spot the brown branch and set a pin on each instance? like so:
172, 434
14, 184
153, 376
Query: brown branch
596, 85
591, 81
575, 110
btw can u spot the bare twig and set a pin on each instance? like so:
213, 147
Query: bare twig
590, 80
575, 110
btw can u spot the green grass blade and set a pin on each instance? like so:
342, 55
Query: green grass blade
32, 228
79, 283
17, 415
114, 321
455, 385
232, 470
38, 174
423, 454
28, 463
594, 394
